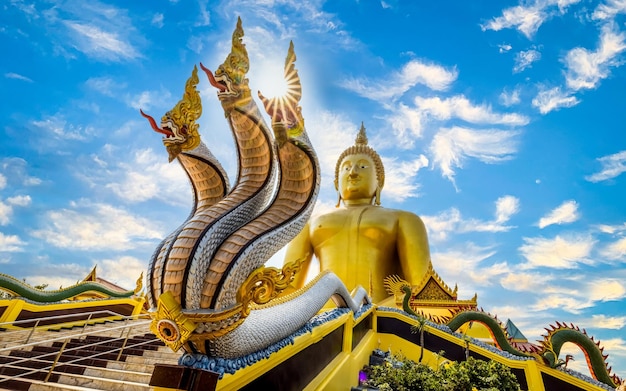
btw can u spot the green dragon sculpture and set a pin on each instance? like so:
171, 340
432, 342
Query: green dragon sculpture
18, 288
546, 352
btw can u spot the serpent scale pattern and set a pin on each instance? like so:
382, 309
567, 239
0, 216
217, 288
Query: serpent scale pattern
248, 248
257, 172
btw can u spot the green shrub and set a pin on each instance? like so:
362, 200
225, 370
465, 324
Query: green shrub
400, 374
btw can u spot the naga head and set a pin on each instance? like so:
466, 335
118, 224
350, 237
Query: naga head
286, 113
230, 77
179, 125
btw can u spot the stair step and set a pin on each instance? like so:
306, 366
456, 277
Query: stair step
36, 385
159, 357
131, 373
145, 367
118, 374
107, 384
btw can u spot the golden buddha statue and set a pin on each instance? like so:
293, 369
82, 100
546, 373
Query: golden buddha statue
360, 241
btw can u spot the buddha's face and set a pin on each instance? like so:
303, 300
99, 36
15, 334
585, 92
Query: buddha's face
357, 177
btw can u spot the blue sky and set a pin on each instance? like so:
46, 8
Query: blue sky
500, 124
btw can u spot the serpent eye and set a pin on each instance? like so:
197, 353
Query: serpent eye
168, 330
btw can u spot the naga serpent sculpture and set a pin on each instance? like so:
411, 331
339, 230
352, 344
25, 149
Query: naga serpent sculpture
18, 288
546, 352
207, 287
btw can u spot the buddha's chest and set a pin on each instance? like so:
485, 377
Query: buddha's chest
365, 227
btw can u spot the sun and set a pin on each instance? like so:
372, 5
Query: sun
273, 83
285, 87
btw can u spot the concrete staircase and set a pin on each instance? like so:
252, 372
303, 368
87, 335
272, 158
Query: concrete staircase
109, 357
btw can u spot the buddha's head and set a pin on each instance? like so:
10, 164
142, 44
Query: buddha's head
359, 173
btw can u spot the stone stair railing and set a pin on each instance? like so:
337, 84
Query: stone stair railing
115, 356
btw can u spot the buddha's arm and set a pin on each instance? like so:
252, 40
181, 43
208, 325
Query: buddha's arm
412, 245
300, 248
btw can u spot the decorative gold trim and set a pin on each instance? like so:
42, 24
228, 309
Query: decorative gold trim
91, 277
169, 323
441, 286
184, 116
265, 284
139, 283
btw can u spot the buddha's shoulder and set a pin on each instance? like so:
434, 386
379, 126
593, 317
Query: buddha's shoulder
327, 216
399, 215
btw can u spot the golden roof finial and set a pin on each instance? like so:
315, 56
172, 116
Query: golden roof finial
361, 137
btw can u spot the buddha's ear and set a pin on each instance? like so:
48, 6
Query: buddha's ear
377, 196
336, 185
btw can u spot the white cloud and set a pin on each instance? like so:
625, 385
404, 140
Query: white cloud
10, 243
553, 99
585, 69
564, 302
510, 98
525, 282
123, 271
586, 293
462, 264
95, 227
19, 200
607, 289
460, 107
330, 134
525, 59
143, 175
611, 229
615, 250
450, 221
58, 127
100, 44
565, 213
6, 208
612, 166
506, 207
527, 18
157, 20
559, 253
505, 47
487, 275
57, 275
5, 213
204, 16
440, 226
451, 146
146, 100
433, 76
609, 9
17, 76
602, 321
400, 175
396, 84
16, 168
407, 125
104, 85
616, 348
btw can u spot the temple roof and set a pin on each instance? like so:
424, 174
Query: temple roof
514, 332
92, 277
